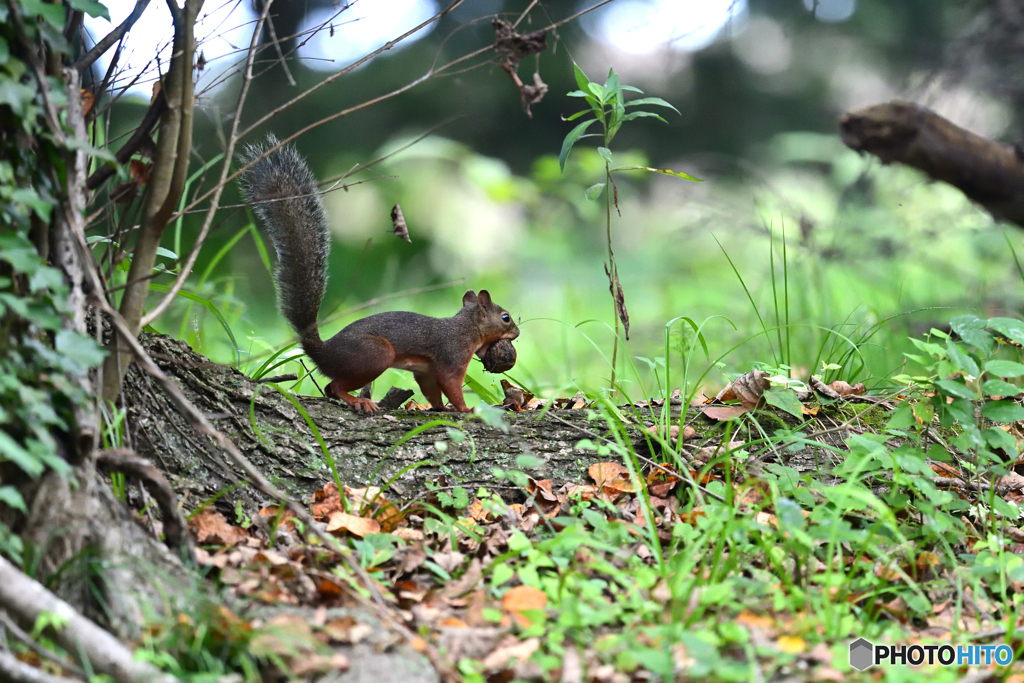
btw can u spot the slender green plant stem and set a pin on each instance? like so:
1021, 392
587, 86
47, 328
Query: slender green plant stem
612, 270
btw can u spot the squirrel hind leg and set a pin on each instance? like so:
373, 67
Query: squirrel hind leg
356, 366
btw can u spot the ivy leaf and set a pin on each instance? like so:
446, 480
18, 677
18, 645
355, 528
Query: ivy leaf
52, 13
79, 349
1002, 411
10, 497
12, 451
90, 7
574, 135
785, 399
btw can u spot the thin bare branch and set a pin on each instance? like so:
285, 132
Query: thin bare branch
355, 65
86, 60
280, 54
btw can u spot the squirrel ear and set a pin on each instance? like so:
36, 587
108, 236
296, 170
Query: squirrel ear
484, 298
469, 298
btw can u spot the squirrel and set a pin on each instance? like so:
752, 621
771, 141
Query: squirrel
283, 193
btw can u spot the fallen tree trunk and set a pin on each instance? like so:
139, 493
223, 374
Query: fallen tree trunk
366, 450
988, 172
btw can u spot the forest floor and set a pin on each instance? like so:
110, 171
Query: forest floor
579, 540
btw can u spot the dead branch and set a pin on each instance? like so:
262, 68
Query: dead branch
988, 172
14, 670
134, 144
229, 154
28, 641
175, 530
170, 167
25, 599
86, 60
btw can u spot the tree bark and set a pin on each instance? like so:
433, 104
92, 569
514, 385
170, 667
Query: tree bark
364, 448
988, 172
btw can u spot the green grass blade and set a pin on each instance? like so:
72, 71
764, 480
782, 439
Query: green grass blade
210, 307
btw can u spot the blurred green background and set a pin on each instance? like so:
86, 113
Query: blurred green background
872, 253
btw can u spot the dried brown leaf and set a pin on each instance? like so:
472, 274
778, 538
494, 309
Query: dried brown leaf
615, 287
398, 224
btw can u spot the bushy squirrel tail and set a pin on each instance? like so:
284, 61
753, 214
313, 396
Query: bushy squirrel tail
283, 193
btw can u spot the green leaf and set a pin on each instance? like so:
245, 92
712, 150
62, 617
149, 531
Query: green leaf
1004, 368
643, 114
997, 387
12, 451
166, 253
10, 497
97, 152
90, 7
1002, 411
785, 399
570, 140
208, 305
1008, 327
578, 114
997, 438
581, 78
495, 417
480, 390
956, 389
81, 350
594, 191
663, 171
605, 153
960, 359
612, 87
656, 101
5, 51
901, 418
52, 13
971, 330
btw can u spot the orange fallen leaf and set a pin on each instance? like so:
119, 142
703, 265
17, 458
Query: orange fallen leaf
522, 598
723, 413
341, 522
211, 528
602, 472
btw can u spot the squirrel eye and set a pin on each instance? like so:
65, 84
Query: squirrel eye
505, 318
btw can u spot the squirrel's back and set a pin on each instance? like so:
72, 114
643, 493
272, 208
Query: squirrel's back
283, 193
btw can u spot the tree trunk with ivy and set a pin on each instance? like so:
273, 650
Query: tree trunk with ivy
58, 516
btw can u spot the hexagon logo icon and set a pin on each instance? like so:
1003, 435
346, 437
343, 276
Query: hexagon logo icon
862, 654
